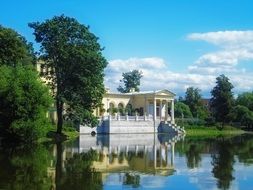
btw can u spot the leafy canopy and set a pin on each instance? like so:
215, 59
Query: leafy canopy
193, 99
242, 114
24, 101
14, 48
73, 64
131, 80
245, 99
222, 99
182, 110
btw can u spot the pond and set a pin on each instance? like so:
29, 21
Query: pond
133, 161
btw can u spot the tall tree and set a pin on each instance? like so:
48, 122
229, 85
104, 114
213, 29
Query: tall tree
74, 65
14, 49
131, 80
222, 99
193, 99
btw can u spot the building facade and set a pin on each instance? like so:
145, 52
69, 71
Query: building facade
156, 104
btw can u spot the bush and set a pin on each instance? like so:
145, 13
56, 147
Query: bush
24, 101
190, 121
29, 131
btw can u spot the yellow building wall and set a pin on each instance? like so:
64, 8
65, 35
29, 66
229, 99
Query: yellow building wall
115, 101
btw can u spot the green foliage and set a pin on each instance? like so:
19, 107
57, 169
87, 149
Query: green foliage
190, 122
132, 179
74, 66
203, 112
131, 80
24, 101
129, 109
25, 168
79, 173
113, 111
222, 99
193, 155
14, 49
242, 114
245, 99
223, 164
182, 110
193, 100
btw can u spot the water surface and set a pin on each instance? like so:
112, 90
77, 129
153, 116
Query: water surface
140, 161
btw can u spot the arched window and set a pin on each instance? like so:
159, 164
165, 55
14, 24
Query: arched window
121, 109
129, 109
111, 105
111, 109
120, 106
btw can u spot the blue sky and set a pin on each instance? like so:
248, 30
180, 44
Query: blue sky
176, 43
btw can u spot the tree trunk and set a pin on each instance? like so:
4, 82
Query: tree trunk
58, 167
59, 107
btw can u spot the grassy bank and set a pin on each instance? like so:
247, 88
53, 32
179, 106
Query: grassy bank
69, 131
211, 131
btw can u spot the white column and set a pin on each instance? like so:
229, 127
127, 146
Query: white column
161, 109
107, 106
127, 150
172, 112
145, 106
154, 154
166, 111
172, 153
136, 149
166, 155
118, 150
154, 116
161, 160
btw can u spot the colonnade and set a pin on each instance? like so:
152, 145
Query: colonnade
163, 103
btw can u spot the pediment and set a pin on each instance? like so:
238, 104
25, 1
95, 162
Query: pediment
165, 93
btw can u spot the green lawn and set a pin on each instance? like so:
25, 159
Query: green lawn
212, 131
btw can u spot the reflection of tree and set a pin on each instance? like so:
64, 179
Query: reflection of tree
193, 155
58, 167
25, 168
79, 174
223, 164
245, 149
132, 179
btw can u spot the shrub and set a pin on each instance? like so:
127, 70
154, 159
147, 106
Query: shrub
24, 101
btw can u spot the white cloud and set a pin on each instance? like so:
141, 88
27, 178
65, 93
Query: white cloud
234, 47
225, 58
227, 39
157, 75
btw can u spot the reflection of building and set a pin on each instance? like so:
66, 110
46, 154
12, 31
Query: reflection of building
126, 155
135, 152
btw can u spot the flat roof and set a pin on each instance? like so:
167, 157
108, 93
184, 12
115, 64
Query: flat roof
142, 92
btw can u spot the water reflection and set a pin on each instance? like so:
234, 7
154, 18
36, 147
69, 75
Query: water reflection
143, 153
223, 161
132, 161
21, 168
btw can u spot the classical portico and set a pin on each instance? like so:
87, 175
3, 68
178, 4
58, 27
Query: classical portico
158, 105
150, 112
